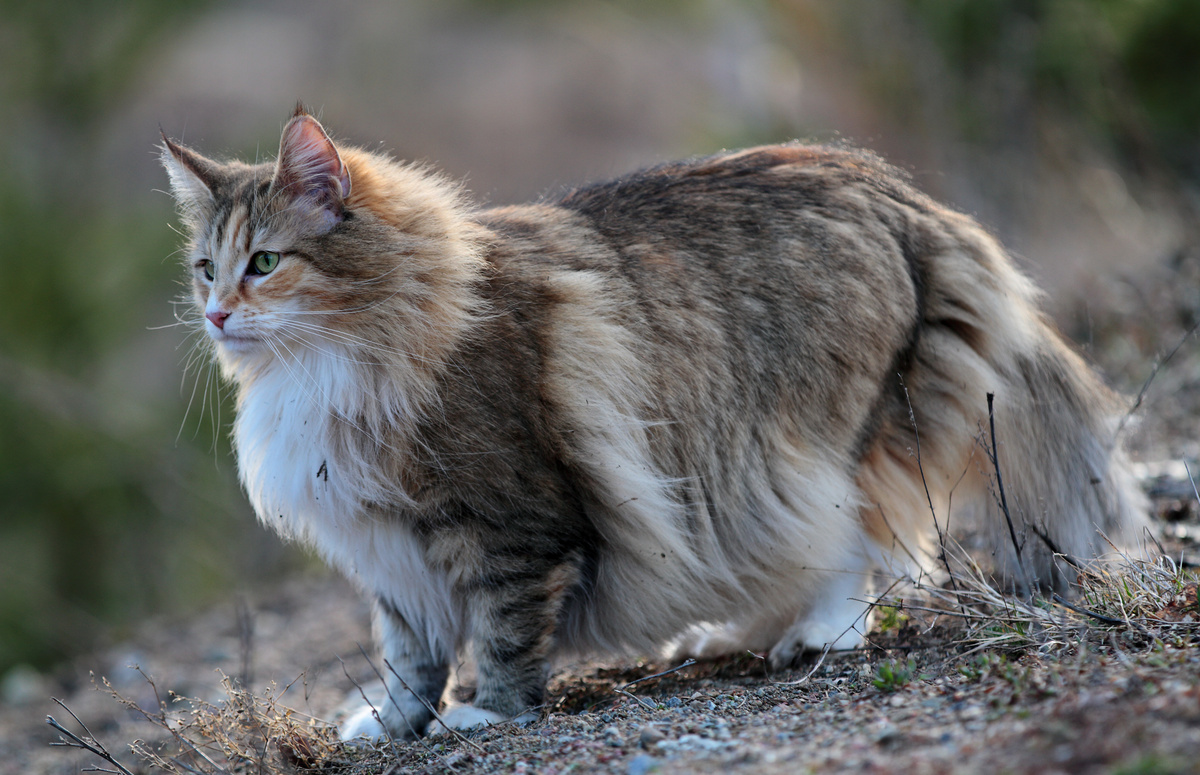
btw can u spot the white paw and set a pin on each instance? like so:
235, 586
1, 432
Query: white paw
383, 720
813, 636
704, 641
465, 718
362, 724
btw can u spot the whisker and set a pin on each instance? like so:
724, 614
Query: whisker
188, 410
327, 352
176, 324
204, 401
345, 337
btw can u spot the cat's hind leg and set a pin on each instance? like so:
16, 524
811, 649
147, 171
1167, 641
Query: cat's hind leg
709, 641
838, 616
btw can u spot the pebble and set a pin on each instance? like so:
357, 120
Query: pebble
641, 764
650, 735
889, 735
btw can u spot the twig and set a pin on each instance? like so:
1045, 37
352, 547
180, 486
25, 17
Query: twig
245, 626
809, 674
1101, 617
420, 739
912, 418
635, 698
1191, 481
1053, 547
90, 743
1153, 373
622, 689
676, 669
428, 705
1012, 531
371, 705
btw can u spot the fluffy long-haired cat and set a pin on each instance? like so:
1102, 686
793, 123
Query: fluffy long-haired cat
685, 403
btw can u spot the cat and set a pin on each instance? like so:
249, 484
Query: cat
698, 404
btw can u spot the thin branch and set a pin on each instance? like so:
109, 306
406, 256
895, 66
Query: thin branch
1012, 531
635, 698
90, 743
428, 705
1097, 616
676, 669
1153, 373
809, 674
1192, 481
1053, 547
374, 711
622, 689
912, 418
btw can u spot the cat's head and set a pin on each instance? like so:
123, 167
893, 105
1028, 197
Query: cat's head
329, 249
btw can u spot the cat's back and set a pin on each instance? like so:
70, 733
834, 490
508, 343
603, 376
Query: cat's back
743, 280
801, 219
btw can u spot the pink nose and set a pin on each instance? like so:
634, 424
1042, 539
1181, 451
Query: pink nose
217, 318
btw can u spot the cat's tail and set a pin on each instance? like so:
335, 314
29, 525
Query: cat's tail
988, 371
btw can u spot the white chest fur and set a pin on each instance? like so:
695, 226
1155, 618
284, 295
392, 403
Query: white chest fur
305, 490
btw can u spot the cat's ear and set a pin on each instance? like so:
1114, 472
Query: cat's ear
311, 173
193, 177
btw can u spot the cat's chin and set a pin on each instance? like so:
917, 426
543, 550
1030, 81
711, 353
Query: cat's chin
242, 345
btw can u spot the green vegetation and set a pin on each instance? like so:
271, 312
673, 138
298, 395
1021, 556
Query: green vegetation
104, 518
892, 675
1124, 72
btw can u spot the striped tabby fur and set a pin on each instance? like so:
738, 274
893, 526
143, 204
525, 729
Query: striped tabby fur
675, 406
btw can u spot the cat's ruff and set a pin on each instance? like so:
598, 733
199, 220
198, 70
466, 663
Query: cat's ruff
681, 407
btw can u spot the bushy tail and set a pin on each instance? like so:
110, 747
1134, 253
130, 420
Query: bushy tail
1058, 467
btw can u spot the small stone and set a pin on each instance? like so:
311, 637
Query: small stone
641, 764
889, 735
650, 735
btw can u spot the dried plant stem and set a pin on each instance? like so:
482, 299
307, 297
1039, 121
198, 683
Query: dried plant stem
623, 689
810, 673
88, 743
912, 418
1158, 364
1012, 531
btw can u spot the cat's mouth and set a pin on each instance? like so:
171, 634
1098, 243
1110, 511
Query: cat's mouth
236, 342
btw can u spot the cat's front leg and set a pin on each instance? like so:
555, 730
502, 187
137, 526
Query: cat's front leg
414, 678
514, 608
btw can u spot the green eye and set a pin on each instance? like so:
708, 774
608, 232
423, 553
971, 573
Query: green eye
210, 271
263, 262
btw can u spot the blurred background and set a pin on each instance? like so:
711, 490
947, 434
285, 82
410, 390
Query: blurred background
1070, 127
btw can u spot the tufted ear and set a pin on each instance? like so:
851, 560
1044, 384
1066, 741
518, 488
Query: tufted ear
193, 177
310, 172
